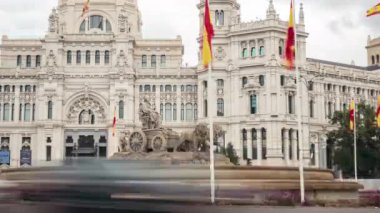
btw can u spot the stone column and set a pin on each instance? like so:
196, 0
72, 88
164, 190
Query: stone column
259, 147
249, 144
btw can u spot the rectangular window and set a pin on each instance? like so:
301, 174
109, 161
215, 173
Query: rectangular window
28, 61
38, 60
48, 153
291, 104
143, 61
88, 57
6, 112
79, 57
97, 57
107, 57
253, 104
153, 61
311, 106
163, 60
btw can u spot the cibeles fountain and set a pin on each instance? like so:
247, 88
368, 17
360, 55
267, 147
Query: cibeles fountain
155, 143
188, 157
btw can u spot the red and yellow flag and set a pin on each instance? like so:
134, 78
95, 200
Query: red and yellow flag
374, 10
378, 112
352, 115
86, 7
208, 34
290, 40
114, 123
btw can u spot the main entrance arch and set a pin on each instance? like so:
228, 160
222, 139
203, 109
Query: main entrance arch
86, 127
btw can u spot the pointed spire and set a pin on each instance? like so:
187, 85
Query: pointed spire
301, 15
271, 12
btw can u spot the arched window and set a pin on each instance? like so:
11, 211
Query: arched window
121, 109
182, 88
244, 82
147, 88
69, 57
182, 112
281, 47
264, 143
168, 112
153, 61
283, 139
154, 88
28, 88
205, 107
373, 59
189, 88
253, 52
7, 88
253, 104
312, 154
220, 83
161, 88
107, 57
96, 22
28, 61
262, 80
330, 109
254, 144
13, 88
291, 104
245, 53
38, 60
97, 57
245, 150
174, 88
311, 108
162, 111
19, 60
291, 144
262, 51
88, 57
282, 80
377, 59
79, 57
27, 111
220, 107
33, 112
221, 18
50, 110
217, 18
195, 111
143, 61
174, 112
168, 88
189, 112
6, 112
163, 60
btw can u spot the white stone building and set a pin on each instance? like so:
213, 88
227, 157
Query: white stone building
58, 94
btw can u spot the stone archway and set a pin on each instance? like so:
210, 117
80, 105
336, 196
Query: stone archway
86, 110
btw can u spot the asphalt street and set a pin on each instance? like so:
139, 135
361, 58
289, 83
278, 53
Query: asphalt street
159, 207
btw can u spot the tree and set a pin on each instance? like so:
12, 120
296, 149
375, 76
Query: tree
230, 153
368, 143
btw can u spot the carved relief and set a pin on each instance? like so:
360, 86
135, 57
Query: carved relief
220, 53
51, 60
122, 59
123, 19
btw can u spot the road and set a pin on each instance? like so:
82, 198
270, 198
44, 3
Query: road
159, 207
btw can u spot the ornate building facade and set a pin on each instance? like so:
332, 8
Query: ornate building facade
58, 95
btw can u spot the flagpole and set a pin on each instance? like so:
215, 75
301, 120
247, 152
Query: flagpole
355, 147
210, 116
299, 114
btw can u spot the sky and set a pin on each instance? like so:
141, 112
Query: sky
338, 29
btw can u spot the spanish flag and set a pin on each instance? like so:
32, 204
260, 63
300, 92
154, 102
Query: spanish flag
378, 112
290, 41
352, 115
208, 34
374, 10
86, 7
114, 123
